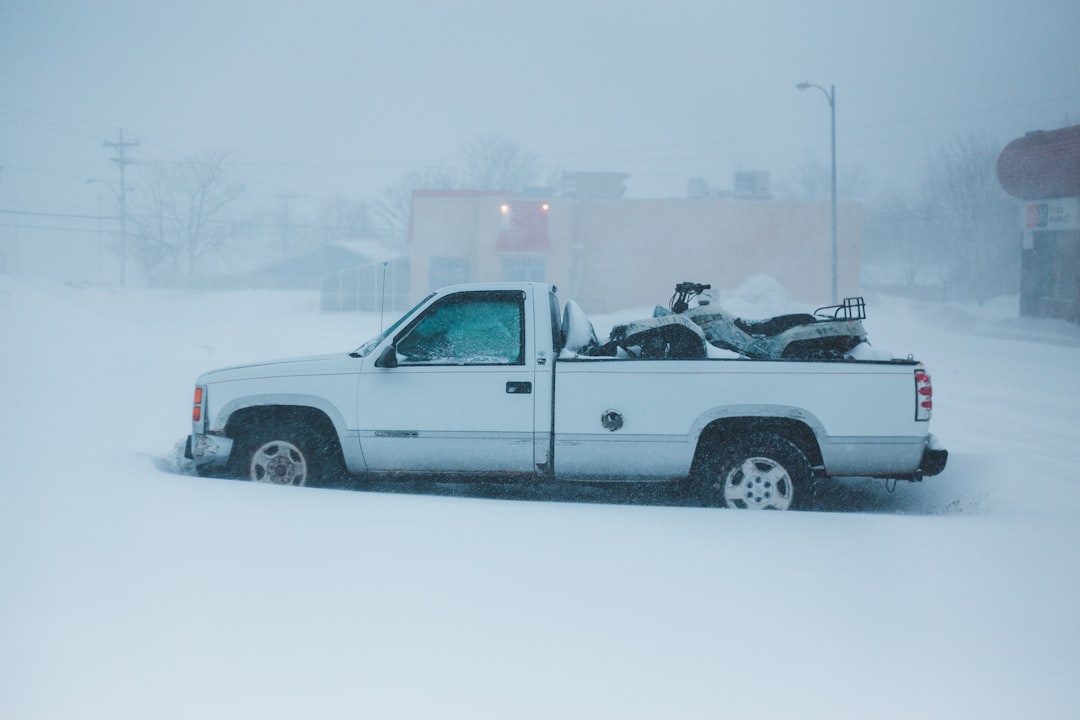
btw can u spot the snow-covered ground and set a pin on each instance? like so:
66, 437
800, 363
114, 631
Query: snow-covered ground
133, 590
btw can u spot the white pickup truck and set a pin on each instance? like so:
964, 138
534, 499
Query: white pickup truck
478, 381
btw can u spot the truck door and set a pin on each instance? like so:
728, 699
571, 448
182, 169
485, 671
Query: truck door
461, 397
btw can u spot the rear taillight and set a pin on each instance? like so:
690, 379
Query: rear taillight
924, 395
197, 406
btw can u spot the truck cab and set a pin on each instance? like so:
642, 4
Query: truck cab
467, 381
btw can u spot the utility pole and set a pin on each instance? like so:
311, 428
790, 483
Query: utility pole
121, 147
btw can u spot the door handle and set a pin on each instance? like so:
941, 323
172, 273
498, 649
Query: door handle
518, 388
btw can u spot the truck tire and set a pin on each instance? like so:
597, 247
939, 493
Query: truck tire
761, 471
287, 456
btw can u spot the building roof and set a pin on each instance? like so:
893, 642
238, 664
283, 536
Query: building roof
331, 257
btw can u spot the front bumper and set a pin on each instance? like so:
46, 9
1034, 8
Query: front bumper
208, 452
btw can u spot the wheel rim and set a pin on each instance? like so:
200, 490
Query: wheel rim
758, 483
280, 463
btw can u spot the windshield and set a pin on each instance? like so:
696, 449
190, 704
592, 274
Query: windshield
371, 344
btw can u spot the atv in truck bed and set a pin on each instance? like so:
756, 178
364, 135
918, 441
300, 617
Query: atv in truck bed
681, 331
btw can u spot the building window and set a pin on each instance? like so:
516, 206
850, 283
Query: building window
524, 268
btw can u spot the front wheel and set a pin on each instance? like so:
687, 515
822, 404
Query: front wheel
279, 462
288, 456
761, 471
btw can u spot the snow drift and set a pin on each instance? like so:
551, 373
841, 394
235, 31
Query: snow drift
133, 590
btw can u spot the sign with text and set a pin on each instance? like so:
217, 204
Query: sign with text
1057, 214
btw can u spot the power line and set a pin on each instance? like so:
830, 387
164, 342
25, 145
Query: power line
45, 121
59, 215
51, 228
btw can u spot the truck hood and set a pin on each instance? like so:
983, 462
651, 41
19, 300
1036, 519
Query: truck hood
313, 365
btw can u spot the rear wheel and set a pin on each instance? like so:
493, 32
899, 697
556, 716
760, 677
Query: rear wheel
762, 471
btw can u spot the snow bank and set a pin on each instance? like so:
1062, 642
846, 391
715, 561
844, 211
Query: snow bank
133, 592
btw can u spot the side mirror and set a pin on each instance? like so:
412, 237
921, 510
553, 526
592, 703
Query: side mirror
387, 358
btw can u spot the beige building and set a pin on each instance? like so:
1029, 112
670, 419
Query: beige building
611, 254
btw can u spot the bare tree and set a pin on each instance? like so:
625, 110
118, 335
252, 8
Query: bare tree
148, 245
895, 237
972, 218
395, 201
206, 192
493, 162
342, 219
812, 181
183, 213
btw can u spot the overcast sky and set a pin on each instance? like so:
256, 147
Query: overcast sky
320, 97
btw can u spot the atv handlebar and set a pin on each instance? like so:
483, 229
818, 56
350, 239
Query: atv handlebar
684, 291
691, 288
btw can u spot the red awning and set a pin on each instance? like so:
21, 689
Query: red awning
1042, 165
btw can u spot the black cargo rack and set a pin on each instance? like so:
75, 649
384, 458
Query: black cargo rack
853, 308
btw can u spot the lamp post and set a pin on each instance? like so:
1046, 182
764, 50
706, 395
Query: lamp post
830, 95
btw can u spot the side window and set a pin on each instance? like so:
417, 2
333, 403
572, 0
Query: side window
556, 322
483, 328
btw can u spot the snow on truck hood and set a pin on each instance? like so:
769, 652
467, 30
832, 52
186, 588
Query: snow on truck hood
315, 364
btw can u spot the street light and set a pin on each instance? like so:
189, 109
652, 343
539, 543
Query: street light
830, 95
122, 195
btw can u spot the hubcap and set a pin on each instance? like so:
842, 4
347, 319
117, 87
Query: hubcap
758, 484
280, 463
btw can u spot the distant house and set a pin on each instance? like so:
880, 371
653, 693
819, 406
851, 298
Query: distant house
349, 275
1043, 169
307, 270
